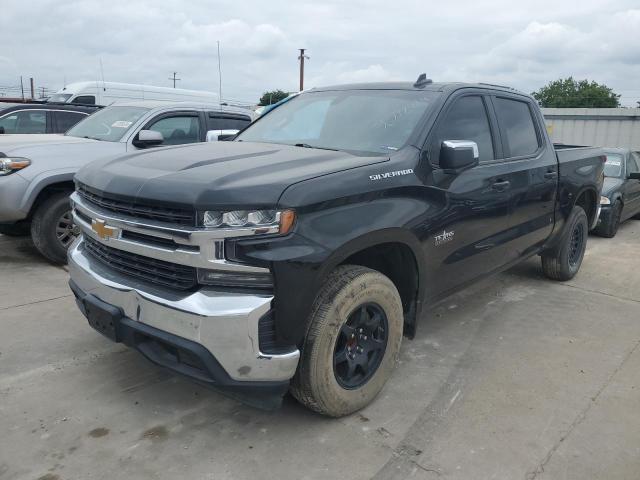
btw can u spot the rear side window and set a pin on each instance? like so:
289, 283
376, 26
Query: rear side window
217, 121
25, 121
66, 120
517, 123
465, 120
85, 100
634, 163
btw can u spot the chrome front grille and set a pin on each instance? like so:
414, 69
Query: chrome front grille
148, 269
138, 210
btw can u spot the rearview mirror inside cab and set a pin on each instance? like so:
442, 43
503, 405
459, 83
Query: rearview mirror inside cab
458, 154
148, 138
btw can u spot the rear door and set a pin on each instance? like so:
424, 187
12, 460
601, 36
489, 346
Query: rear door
532, 174
632, 187
221, 122
465, 238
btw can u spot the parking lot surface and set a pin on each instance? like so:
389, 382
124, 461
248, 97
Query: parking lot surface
517, 377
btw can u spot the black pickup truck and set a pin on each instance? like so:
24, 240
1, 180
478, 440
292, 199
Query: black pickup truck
296, 256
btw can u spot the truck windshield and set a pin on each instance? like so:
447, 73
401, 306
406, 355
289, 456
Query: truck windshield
59, 98
357, 121
109, 124
613, 165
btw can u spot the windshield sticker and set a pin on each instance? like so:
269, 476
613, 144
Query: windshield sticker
121, 124
615, 163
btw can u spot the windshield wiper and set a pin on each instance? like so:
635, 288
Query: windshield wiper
306, 145
92, 138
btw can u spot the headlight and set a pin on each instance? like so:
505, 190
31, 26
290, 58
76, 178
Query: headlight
604, 200
10, 165
235, 279
261, 221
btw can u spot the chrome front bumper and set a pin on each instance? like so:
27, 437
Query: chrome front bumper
224, 323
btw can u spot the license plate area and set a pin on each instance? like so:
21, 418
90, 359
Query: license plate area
103, 317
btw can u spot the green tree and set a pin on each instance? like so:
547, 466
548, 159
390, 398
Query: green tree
570, 93
269, 98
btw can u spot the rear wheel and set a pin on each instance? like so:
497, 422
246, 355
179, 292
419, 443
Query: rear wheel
52, 228
565, 261
352, 342
609, 228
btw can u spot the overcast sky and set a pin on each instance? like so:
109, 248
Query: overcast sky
523, 43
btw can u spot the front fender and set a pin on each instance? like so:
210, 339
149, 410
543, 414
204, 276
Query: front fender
40, 182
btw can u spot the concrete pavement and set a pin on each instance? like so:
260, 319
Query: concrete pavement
517, 377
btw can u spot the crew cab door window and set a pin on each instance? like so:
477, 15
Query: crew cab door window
633, 164
517, 124
221, 121
178, 130
26, 121
66, 120
465, 120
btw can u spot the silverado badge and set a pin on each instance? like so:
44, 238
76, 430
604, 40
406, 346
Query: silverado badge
103, 230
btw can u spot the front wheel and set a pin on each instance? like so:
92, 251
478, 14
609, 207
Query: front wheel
352, 342
565, 262
52, 228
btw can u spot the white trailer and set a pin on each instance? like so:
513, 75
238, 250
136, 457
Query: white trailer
106, 93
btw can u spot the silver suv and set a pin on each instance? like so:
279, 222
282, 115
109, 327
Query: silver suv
36, 171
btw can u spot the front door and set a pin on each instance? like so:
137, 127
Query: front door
464, 239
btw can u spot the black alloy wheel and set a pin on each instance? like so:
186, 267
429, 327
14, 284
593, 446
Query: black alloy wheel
360, 346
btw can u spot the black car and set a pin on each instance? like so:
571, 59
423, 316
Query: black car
620, 198
41, 117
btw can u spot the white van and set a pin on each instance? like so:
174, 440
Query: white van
106, 93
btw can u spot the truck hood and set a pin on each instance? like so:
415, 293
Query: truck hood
9, 143
215, 175
49, 153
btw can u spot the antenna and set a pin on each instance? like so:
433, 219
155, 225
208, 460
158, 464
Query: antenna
422, 81
219, 75
102, 73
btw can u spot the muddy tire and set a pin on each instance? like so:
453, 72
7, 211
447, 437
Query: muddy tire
565, 262
352, 342
52, 229
610, 228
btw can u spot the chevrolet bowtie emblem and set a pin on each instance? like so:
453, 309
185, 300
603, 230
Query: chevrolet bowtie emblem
103, 230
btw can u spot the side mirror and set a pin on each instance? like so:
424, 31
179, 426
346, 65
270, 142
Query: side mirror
634, 176
220, 135
148, 138
458, 154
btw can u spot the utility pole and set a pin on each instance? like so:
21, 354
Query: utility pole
33, 89
174, 79
301, 58
22, 87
